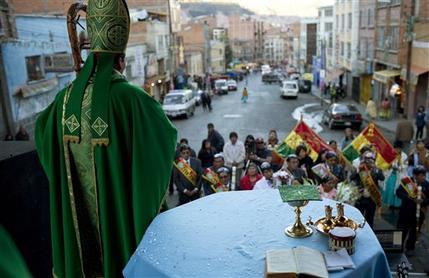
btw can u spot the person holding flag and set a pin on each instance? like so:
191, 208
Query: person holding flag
414, 194
367, 178
187, 176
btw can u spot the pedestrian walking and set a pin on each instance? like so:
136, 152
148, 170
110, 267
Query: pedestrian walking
385, 109
397, 171
427, 122
244, 95
371, 109
420, 122
404, 133
333, 94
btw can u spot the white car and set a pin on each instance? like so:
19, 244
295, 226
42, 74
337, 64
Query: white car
232, 85
178, 103
290, 88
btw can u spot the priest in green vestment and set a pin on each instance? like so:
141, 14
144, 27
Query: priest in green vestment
107, 149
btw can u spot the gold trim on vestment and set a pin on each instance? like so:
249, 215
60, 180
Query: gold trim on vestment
94, 179
100, 142
70, 183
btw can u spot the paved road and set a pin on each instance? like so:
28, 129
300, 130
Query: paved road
264, 110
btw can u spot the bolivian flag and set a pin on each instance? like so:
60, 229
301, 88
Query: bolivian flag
301, 134
371, 136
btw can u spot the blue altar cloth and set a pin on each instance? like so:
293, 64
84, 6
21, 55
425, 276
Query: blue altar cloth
227, 235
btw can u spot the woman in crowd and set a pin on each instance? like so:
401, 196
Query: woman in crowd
420, 122
397, 170
250, 178
321, 158
273, 140
305, 161
206, 154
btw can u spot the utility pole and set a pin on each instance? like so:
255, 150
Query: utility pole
172, 45
410, 37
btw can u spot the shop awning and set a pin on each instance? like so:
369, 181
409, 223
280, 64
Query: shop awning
333, 74
37, 88
415, 71
385, 75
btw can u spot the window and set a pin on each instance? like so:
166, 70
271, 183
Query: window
328, 26
360, 19
350, 21
34, 68
342, 22
342, 49
362, 48
349, 50
380, 37
395, 2
329, 12
338, 23
330, 41
395, 37
369, 19
417, 8
370, 50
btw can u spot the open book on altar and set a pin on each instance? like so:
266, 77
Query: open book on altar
299, 261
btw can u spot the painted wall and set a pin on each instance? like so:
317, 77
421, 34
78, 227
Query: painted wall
37, 35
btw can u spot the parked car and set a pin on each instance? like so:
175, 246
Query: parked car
271, 78
178, 103
221, 86
305, 86
289, 89
345, 115
232, 85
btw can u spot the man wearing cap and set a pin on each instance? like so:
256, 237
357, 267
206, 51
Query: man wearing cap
187, 176
408, 193
268, 181
218, 162
224, 184
367, 178
107, 149
262, 153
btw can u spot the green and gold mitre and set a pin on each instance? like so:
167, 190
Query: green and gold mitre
108, 23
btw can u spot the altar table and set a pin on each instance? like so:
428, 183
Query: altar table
227, 235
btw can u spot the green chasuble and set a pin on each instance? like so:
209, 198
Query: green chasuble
12, 263
102, 198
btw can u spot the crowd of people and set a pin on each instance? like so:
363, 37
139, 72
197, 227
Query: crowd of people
253, 164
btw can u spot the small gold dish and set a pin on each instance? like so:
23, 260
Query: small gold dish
323, 227
325, 224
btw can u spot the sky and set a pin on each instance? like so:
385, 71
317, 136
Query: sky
304, 8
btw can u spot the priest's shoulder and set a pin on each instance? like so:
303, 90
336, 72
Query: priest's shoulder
125, 91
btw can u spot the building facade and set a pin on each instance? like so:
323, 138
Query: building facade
325, 42
365, 63
217, 57
346, 45
390, 52
36, 64
308, 43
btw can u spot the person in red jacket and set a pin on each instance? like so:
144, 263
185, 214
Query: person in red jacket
252, 176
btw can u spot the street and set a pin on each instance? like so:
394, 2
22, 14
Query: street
264, 110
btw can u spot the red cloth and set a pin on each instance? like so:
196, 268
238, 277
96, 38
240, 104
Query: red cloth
246, 184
